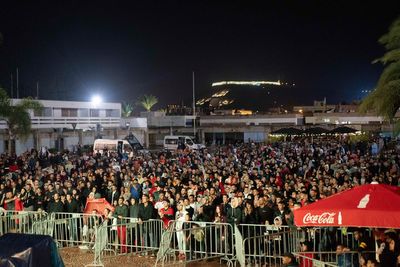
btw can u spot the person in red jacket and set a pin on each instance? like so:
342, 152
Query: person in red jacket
12, 202
166, 213
306, 261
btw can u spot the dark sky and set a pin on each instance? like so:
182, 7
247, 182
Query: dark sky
122, 51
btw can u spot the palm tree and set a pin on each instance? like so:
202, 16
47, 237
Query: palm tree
385, 99
148, 101
17, 116
127, 109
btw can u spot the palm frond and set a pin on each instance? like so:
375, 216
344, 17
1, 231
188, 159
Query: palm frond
148, 101
127, 109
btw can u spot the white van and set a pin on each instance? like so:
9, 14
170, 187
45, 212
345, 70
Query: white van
110, 145
171, 142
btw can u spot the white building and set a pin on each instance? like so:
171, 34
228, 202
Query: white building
338, 118
64, 124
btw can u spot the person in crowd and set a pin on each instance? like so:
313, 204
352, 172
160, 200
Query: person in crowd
180, 217
121, 213
374, 263
146, 213
250, 215
55, 205
235, 214
264, 212
307, 259
389, 250
71, 205
344, 257
289, 260
134, 210
166, 213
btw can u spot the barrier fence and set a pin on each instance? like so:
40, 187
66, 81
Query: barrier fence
245, 244
126, 236
330, 259
268, 247
19, 221
195, 241
75, 229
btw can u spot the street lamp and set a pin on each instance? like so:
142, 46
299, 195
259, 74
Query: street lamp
96, 100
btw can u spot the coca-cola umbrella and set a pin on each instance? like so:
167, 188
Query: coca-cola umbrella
373, 205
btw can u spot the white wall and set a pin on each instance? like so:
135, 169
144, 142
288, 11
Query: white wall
70, 141
87, 140
2, 148
254, 136
57, 112
22, 146
45, 141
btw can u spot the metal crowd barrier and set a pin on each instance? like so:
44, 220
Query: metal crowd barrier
326, 239
330, 259
309, 260
182, 241
195, 241
268, 248
19, 221
76, 229
126, 235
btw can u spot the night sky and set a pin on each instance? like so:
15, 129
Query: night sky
123, 51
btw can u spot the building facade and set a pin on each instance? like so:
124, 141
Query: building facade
65, 124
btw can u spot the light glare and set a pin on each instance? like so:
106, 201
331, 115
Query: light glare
96, 100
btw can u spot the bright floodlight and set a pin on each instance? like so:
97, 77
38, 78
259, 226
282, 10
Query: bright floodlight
96, 100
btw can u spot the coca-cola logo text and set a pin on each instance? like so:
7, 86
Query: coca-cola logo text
324, 218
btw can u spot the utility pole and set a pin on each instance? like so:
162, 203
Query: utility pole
37, 90
17, 84
194, 108
12, 85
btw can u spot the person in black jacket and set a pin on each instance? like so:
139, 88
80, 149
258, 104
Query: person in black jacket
71, 205
146, 213
235, 214
39, 202
389, 250
234, 217
264, 213
56, 205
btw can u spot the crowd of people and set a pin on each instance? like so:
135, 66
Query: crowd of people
237, 184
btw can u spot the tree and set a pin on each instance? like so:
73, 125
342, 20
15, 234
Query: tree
17, 116
148, 101
385, 98
127, 109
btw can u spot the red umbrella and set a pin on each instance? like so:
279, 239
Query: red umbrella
372, 205
99, 204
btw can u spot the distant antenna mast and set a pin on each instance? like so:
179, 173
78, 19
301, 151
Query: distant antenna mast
194, 108
17, 84
12, 85
37, 90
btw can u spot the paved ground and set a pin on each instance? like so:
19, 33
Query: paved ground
74, 257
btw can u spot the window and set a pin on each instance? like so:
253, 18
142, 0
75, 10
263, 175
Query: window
112, 113
94, 113
69, 112
189, 142
171, 141
45, 112
83, 112
189, 123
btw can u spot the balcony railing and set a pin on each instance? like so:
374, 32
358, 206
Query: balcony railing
68, 122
